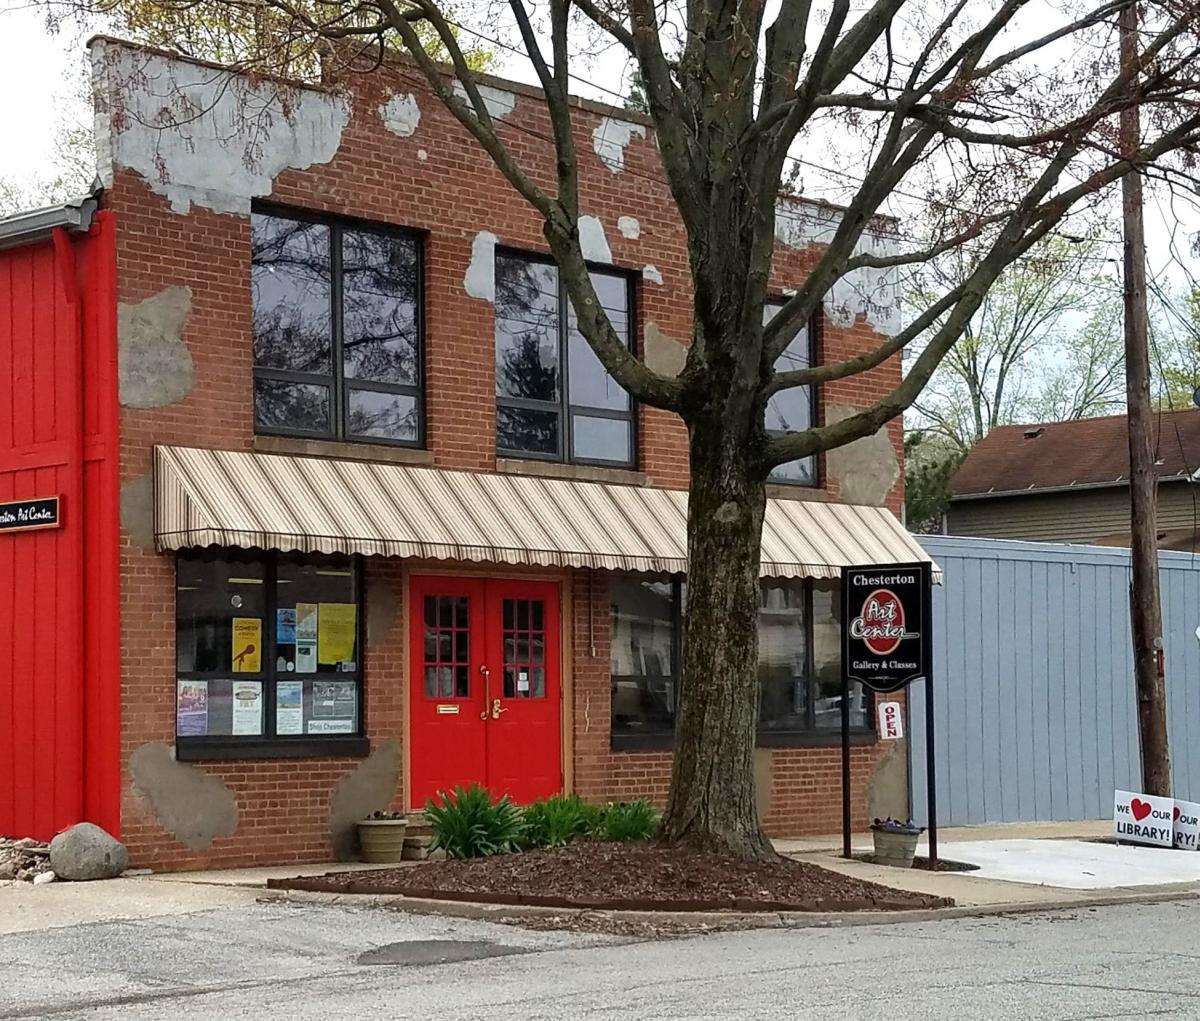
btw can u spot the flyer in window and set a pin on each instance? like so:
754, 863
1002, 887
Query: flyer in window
289, 707
247, 707
285, 626
191, 709
335, 699
335, 632
306, 655
306, 620
331, 726
247, 645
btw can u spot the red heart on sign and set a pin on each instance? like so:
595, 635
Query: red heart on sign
1139, 808
1176, 816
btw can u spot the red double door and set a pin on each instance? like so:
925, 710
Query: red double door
485, 684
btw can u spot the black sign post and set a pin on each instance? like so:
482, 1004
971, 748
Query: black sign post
886, 643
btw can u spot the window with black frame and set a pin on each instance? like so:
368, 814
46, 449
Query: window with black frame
799, 635
791, 410
554, 399
337, 329
267, 654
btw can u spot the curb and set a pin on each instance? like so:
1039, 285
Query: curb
701, 920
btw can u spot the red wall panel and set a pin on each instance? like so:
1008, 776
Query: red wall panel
57, 376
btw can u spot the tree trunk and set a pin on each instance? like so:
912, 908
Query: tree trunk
712, 803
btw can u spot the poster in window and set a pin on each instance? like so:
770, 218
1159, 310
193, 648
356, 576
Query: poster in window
247, 645
289, 707
191, 709
306, 655
306, 620
335, 632
247, 707
331, 726
335, 699
285, 626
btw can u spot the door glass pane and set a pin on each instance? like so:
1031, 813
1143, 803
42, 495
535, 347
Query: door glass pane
524, 648
447, 647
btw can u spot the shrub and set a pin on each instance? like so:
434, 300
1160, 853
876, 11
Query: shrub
469, 824
627, 820
556, 821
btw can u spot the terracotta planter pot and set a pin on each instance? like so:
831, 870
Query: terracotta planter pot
895, 847
382, 840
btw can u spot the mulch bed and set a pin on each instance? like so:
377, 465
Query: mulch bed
629, 876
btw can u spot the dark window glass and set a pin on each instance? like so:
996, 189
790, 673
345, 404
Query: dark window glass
554, 398
266, 647
799, 635
644, 635
447, 647
791, 410
337, 337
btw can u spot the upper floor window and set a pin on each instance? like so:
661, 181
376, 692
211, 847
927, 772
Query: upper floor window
554, 399
337, 329
792, 410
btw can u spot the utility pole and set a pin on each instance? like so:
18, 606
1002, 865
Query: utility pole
1145, 609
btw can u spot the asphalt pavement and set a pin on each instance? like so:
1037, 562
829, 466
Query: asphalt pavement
283, 961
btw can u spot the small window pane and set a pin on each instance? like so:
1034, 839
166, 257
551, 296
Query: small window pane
290, 287
590, 384
219, 708
601, 439
283, 405
643, 678
802, 472
389, 416
791, 410
210, 595
527, 430
379, 307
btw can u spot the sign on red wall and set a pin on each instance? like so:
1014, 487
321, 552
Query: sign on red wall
27, 515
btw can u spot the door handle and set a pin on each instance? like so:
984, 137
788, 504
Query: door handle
497, 709
487, 690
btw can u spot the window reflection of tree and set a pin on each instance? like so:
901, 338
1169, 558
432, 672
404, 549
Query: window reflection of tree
290, 275
379, 307
527, 349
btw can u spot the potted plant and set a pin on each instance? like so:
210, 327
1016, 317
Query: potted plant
895, 842
381, 837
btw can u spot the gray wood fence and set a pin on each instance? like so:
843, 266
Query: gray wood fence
1033, 691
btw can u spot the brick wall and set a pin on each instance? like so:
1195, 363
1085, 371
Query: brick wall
437, 181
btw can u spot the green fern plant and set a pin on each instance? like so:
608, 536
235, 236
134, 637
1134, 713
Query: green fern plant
467, 823
627, 820
558, 820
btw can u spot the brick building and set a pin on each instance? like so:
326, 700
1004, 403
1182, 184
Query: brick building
384, 522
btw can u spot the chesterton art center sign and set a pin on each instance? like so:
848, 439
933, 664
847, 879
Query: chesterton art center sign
28, 515
886, 636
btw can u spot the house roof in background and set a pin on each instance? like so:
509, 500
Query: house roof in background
1089, 452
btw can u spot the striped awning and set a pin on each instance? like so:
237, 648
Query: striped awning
318, 505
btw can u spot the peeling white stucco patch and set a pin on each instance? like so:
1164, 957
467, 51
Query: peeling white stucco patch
609, 139
652, 274
480, 278
871, 293
499, 103
422, 155
203, 136
401, 115
629, 227
592, 240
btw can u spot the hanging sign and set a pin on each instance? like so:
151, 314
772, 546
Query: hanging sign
886, 624
27, 515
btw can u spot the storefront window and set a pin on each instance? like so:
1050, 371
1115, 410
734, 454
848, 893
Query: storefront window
799, 667
645, 631
267, 653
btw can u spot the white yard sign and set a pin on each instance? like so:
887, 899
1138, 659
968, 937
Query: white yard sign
1187, 825
891, 723
1143, 819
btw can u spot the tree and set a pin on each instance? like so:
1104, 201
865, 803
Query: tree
930, 461
971, 105
1018, 359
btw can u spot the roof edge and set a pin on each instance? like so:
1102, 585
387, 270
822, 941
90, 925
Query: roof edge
1038, 490
33, 225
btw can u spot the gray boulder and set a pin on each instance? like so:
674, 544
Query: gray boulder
85, 852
